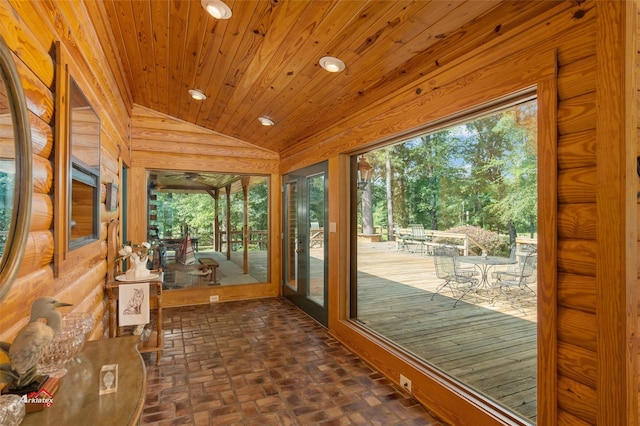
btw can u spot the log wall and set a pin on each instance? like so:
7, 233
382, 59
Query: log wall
587, 234
31, 30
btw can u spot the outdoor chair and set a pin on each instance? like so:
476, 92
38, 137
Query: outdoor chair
459, 283
513, 288
513, 272
400, 238
418, 236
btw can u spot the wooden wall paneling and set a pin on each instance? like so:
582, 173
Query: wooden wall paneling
577, 114
577, 78
41, 136
577, 292
38, 252
577, 328
199, 163
616, 192
578, 400
41, 213
87, 54
153, 131
42, 175
17, 304
200, 296
577, 150
575, 186
577, 363
577, 221
80, 46
577, 257
109, 166
38, 95
30, 46
565, 418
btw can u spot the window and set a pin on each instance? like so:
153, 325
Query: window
84, 199
466, 193
221, 218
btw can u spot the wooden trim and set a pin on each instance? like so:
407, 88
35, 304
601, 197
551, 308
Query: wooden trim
61, 163
616, 187
547, 252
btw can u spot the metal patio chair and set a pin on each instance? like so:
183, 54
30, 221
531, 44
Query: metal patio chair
513, 288
459, 283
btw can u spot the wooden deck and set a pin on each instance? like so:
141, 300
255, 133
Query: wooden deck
490, 348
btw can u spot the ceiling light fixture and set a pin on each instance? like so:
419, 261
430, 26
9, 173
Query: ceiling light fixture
217, 9
197, 95
331, 64
266, 121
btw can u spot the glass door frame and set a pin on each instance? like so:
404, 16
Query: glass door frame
300, 293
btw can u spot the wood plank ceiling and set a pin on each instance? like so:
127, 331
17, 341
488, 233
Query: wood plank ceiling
264, 60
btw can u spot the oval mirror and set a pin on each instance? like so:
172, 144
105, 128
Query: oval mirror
16, 182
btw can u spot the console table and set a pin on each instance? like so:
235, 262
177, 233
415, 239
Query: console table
77, 401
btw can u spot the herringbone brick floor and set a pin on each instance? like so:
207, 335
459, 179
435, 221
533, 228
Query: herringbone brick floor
264, 362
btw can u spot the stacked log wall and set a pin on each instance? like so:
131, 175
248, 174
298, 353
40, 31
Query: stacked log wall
31, 30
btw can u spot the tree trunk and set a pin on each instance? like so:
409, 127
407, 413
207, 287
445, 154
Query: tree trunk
512, 234
367, 211
390, 227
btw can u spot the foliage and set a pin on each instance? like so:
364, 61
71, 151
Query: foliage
197, 211
490, 240
481, 173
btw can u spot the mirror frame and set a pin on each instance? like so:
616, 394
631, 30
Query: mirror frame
21, 212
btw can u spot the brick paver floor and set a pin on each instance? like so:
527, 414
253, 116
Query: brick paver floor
264, 362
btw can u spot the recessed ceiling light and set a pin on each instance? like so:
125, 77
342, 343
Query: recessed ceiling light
197, 95
266, 121
216, 8
331, 64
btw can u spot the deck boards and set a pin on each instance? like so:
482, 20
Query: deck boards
490, 348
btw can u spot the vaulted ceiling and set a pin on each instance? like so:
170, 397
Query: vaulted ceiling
263, 61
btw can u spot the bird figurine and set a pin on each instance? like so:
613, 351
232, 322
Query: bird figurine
31, 343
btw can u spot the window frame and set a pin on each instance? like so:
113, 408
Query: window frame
67, 252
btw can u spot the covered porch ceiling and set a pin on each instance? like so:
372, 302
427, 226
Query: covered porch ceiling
199, 182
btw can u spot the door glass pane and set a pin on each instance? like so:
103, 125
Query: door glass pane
291, 194
315, 189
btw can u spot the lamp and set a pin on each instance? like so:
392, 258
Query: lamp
266, 121
364, 173
331, 64
216, 8
198, 95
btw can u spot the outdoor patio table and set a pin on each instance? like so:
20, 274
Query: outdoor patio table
484, 265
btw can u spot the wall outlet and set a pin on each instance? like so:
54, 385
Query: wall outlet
214, 298
405, 383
